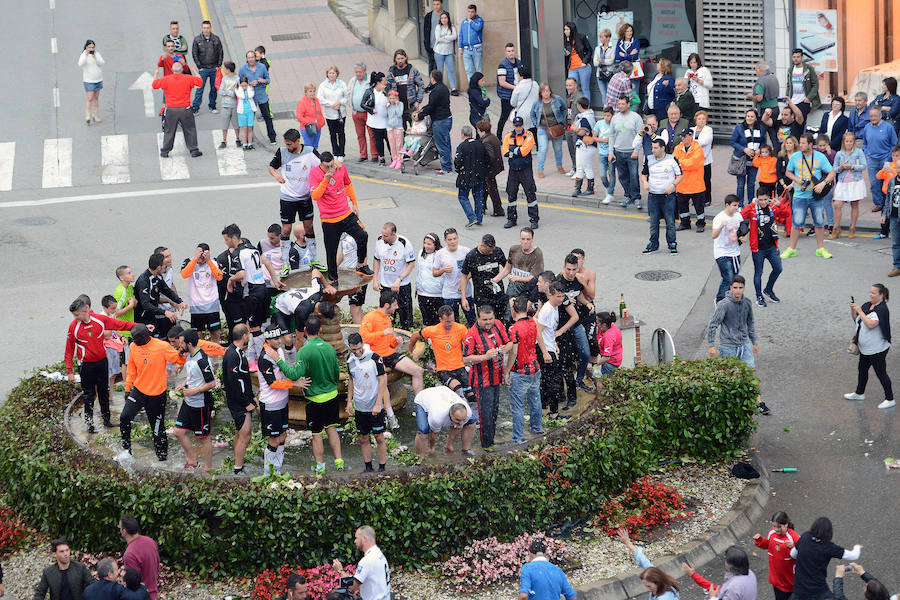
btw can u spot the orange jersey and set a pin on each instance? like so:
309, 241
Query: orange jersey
211, 348
447, 346
766, 166
372, 332
147, 366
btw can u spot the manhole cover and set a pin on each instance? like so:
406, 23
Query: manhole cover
35, 221
284, 37
657, 275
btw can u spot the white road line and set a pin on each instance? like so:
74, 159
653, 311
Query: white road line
7, 158
175, 166
57, 163
53, 48
56, 97
52, 4
230, 159
114, 159
166, 191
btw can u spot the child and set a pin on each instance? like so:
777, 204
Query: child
763, 239
414, 134
823, 145
765, 163
585, 148
114, 343
395, 127
888, 172
607, 169
134, 589
260, 52
850, 163
228, 104
779, 541
246, 109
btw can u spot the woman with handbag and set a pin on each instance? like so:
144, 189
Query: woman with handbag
333, 96
377, 109
310, 116
604, 60
549, 115
578, 54
746, 139
872, 342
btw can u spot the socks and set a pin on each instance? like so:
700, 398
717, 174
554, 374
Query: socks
381, 468
239, 470
286, 250
390, 410
270, 457
255, 347
279, 457
310, 247
303, 259
369, 466
290, 354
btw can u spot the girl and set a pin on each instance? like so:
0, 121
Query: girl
850, 163
823, 145
779, 542
91, 62
585, 148
428, 287
783, 184
700, 80
377, 119
765, 165
395, 127
333, 97
873, 338
246, 109
444, 50
660, 585
478, 99
578, 53
609, 339
813, 551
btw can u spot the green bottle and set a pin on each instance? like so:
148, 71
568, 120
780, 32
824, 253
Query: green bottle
622, 306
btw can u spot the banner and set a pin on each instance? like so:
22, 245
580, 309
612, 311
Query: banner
817, 36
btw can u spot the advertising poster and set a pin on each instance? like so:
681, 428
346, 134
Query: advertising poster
817, 36
688, 48
612, 21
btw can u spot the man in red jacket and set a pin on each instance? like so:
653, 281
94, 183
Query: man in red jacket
177, 88
84, 342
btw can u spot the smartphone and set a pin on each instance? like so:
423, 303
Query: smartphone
91, 51
782, 99
852, 299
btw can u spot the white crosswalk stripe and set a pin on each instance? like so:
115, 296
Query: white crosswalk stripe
57, 163
114, 159
175, 166
230, 158
7, 160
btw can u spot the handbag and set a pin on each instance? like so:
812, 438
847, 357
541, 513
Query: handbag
853, 348
312, 129
554, 132
816, 181
737, 166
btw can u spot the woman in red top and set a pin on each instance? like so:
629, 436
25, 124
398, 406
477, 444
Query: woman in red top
309, 113
779, 541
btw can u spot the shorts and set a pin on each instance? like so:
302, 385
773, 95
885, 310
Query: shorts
461, 375
391, 360
799, 206
228, 116
194, 419
201, 321
239, 415
743, 353
95, 86
274, 422
422, 425
114, 364
367, 423
246, 118
322, 415
234, 311
257, 307
302, 209
358, 298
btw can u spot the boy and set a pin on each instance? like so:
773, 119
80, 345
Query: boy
601, 136
365, 399
125, 300
196, 408
261, 58
763, 237
585, 148
228, 104
113, 343
523, 373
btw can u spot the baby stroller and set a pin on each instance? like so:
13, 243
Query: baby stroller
419, 148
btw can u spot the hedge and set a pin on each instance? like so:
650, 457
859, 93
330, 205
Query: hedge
704, 409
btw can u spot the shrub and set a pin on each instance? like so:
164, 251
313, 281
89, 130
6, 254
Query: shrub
319, 581
646, 505
12, 532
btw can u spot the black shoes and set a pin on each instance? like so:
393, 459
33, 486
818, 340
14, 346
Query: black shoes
509, 225
364, 270
534, 224
763, 409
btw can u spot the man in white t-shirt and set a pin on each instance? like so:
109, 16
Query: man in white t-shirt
395, 259
547, 320
372, 579
726, 247
439, 407
448, 262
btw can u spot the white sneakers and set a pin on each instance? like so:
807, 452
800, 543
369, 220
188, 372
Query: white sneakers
854, 396
609, 198
887, 404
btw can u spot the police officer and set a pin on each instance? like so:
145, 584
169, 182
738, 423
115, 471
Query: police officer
517, 147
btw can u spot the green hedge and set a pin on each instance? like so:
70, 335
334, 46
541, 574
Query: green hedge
703, 409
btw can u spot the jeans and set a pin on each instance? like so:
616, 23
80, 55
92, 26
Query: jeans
744, 353
455, 304
543, 143
728, 268
602, 84
607, 368
771, 254
551, 382
873, 166
799, 206
472, 60
607, 175
747, 182
877, 362
895, 240
661, 205
488, 407
477, 198
583, 349
829, 209
446, 60
441, 131
198, 95
628, 174
525, 389
583, 76
310, 142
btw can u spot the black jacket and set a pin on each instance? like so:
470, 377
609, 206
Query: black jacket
368, 100
207, 54
495, 154
148, 289
471, 162
104, 590
438, 107
426, 30
78, 575
586, 54
236, 379
477, 102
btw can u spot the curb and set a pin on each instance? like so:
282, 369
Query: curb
343, 18
736, 524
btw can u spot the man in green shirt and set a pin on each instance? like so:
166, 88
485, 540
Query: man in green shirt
765, 90
318, 360
124, 295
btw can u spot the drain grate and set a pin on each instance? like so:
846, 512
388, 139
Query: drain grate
657, 275
35, 221
284, 37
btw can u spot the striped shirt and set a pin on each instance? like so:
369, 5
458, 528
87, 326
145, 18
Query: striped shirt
478, 342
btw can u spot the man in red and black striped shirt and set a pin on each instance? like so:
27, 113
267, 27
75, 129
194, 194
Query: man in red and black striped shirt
485, 344
523, 373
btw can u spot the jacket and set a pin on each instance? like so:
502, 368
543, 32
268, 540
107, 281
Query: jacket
517, 147
395, 115
663, 95
750, 215
735, 320
470, 32
892, 102
701, 91
586, 54
426, 30
415, 86
523, 99
837, 130
84, 341
368, 100
738, 587
556, 103
444, 38
691, 163
438, 107
207, 54
153, 355
310, 111
888, 173
495, 154
781, 565
856, 159
478, 100
79, 578
767, 168
470, 163
148, 288
104, 590
810, 85
180, 42
857, 121
738, 139
672, 135
631, 53
687, 104
507, 70
327, 94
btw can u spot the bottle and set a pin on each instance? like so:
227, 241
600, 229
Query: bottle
785, 470
623, 310
498, 359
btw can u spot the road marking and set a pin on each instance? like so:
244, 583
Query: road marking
230, 159
204, 10
7, 158
144, 83
166, 191
52, 4
56, 97
175, 166
114, 159
53, 45
57, 163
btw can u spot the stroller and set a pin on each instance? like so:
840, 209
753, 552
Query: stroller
418, 146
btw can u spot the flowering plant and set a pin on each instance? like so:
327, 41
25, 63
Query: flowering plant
645, 505
320, 581
12, 531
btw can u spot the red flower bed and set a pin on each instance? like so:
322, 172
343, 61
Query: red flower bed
646, 505
319, 581
12, 531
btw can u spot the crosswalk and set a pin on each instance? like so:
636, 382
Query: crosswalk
122, 159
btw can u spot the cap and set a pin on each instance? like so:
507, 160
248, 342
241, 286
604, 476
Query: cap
518, 121
687, 131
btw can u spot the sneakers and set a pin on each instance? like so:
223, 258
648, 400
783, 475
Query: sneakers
364, 270
763, 409
319, 468
760, 301
222, 145
650, 250
772, 296
789, 253
887, 404
392, 422
197, 153
285, 271
363, 159
609, 198
534, 224
638, 205
471, 224
854, 396
317, 264
879, 236
214, 111
569, 405
584, 387
673, 249
823, 253
468, 453
339, 464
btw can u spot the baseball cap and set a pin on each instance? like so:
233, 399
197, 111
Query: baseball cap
518, 121
687, 131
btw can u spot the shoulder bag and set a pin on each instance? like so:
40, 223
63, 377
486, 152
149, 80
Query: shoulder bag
817, 180
554, 132
312, 129
737, 166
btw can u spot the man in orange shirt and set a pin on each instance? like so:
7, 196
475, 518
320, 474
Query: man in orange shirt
145, 387
447, 338
177, 88
378, 332
690, 191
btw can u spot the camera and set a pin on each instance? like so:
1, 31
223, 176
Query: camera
343, 591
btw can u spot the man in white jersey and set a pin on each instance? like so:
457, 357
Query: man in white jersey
372, 579
195, 412
290, 167
203, 292
297, 304
448, 263
395, 259
272, 247
274, 388
367, 389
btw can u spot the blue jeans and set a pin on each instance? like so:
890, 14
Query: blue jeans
829, 209
772, 255
627, 168
310, 142
441, 131
478, 198
472, 60
198, 95
583, 349
728, 268
488, 407
456, 303
543, 141
895, 240
661, 205
747, 182
602, 84
525, 389
873, 166
442, 60
799, 206
744, 352
606, 368
607, 174
583, 76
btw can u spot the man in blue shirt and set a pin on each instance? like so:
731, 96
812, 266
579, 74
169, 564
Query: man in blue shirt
859, 115
539, 579
802, 168
470, 41
878, 139
507, 77
258, 76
